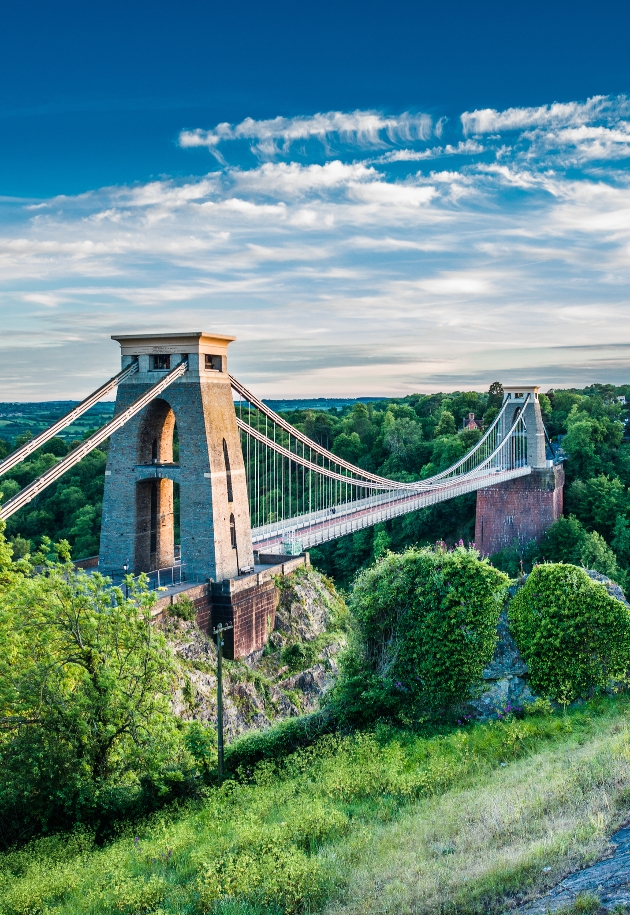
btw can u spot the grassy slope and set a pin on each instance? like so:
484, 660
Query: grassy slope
385, 822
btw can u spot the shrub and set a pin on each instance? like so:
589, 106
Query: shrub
300, 655
183, 609
425, 629
516, 558
278, 741
574, 636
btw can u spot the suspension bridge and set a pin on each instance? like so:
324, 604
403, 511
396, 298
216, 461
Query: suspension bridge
251, 486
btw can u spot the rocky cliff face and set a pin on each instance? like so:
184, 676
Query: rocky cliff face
287, 679
504, 684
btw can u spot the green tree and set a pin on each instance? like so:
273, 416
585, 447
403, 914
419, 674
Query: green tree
348, 446
446, 425
567, 540
447, 450
597, 555
621, 541
85, 681
564, 541
84, 532
598, 501
495, 395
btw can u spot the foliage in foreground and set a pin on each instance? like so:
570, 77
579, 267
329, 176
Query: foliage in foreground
462, 820
574, 636
426, 623
86, 729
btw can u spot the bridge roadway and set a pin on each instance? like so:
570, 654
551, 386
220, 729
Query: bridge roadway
321, 526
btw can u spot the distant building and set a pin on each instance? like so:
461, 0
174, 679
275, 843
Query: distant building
470, 422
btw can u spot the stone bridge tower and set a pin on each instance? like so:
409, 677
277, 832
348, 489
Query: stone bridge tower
187, 436
521, 510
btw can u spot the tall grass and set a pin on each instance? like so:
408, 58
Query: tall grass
380, 822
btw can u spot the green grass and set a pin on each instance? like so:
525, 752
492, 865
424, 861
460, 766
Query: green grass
371, 823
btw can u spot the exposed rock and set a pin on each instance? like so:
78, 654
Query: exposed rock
261, 689
507, 660
608, 880
611, 586
505, 686
505, 695
308, 603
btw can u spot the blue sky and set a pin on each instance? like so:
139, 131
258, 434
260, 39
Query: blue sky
375, 199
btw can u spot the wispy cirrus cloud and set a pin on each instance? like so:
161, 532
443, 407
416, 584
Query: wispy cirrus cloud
488, 120
463, 148
393, 254
361, 128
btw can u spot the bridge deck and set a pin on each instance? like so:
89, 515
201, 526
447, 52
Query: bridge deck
322, 526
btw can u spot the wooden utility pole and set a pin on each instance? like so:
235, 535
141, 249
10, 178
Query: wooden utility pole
219, 634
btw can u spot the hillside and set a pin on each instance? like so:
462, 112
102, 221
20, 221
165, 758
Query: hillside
476, 821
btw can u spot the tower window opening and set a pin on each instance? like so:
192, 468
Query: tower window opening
228, 472
215, 363
233, 532
161, 361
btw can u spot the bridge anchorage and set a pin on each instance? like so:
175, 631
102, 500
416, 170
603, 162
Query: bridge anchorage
254, 493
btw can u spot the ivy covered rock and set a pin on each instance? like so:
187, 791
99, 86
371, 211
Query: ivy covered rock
426, 627
573, 634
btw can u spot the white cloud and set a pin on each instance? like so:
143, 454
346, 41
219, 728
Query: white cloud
463, 148
488, 120
587, 142
388, 193
350, 274
359, 128
292, 179
457, 285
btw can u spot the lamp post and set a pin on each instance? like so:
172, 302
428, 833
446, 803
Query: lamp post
125, 570
219, 634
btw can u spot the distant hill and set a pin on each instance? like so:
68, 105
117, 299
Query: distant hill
319, 403
17, 418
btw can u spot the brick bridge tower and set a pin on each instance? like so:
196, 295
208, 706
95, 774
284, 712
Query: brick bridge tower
188, 437
142, 465
521, 510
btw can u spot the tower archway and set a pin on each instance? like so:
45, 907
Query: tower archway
154, 540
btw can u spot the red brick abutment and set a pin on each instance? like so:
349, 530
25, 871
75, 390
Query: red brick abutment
520, 510
247, 603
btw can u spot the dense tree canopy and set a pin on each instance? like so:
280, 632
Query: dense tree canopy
85, 684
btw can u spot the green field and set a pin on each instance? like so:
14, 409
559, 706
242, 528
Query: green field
387, 821
18, 418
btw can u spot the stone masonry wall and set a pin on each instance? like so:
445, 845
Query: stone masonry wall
520, 509
251, 612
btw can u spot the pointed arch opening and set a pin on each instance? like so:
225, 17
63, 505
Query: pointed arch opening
157, 500
228, 472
